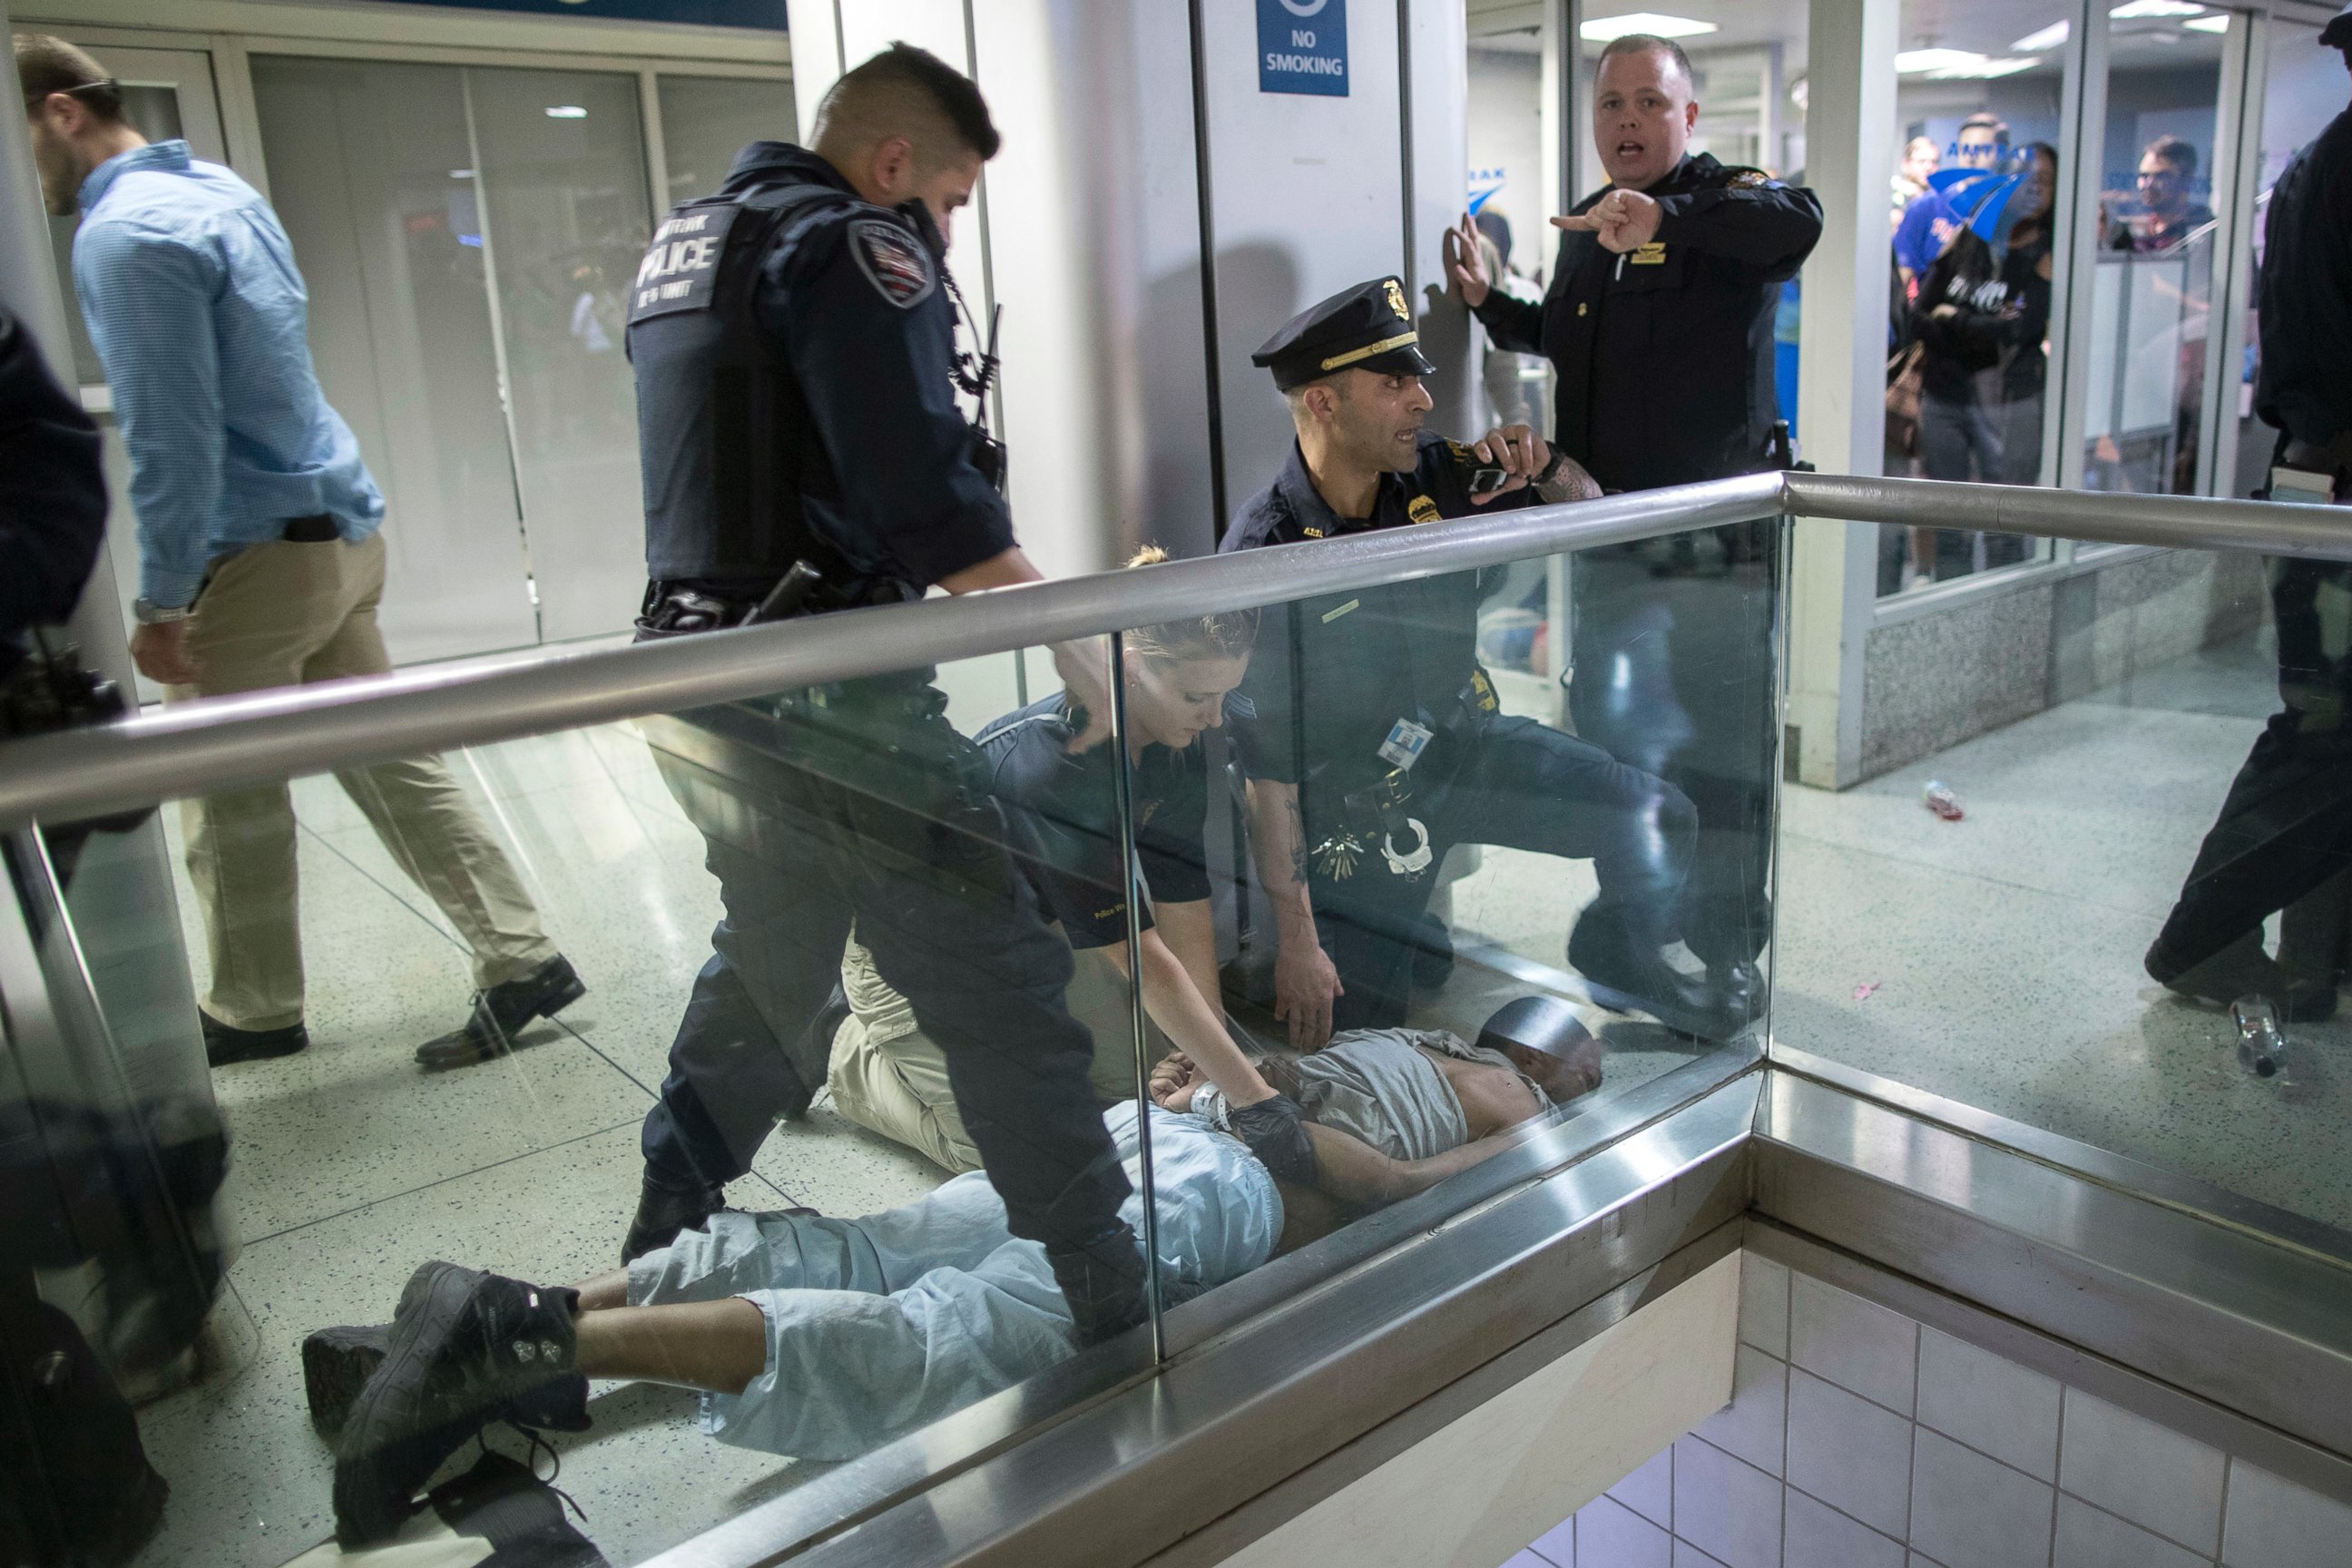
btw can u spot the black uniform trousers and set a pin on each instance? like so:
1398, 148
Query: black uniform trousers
1674, 674
863, 807
1519, 785
2286, 826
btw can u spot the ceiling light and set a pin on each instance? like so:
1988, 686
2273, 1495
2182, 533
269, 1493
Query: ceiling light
1601, 29
566, 112
2049, 37
2008, 65
1913, 62
2134, 10
461, 173
2208, 24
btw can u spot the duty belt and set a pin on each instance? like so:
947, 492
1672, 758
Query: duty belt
1377, 815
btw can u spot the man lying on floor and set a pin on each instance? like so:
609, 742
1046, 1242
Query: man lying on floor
822, 1338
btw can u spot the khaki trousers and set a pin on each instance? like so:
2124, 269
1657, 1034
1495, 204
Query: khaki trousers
888, 1075
288, 615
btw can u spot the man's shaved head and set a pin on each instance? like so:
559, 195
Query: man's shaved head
907, 93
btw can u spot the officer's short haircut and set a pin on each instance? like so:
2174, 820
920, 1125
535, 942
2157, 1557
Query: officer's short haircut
1981, 120
910, 92
47, 63
1641, 44
2172, 150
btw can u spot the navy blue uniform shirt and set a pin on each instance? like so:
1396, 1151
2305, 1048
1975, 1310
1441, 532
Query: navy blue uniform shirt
52, 495
2305, 385
895, 492
1069, 802
1332, 674
1666, 353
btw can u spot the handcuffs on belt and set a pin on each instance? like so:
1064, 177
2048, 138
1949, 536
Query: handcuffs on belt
1376, 816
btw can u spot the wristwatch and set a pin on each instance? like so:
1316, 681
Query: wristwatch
152, 613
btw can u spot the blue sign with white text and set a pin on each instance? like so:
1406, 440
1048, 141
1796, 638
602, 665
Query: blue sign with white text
1302, 47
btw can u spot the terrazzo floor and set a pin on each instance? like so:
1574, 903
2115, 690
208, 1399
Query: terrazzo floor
350, 1167
2002, 953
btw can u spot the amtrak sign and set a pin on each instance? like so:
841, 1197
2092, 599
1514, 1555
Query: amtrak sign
1302, 47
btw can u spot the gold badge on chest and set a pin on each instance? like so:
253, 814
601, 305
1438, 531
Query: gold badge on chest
1421, 508
1651, 254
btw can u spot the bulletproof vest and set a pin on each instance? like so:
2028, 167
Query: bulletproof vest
723, 431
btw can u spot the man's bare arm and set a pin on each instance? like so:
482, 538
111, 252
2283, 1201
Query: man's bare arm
1354, 1172
1305, 982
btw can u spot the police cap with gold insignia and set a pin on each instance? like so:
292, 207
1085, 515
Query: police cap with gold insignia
1367, 327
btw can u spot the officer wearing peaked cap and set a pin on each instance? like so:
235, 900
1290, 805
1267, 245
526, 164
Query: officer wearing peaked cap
804, 453
1372, 740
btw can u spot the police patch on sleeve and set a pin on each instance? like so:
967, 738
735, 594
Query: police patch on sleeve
1749, 180
893, 260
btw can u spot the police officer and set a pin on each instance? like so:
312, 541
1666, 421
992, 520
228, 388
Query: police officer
2283, 842
1659, 321
794, 339
1375, 741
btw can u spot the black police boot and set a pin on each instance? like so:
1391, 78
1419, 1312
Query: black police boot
468, 1349
503, 1012
1735, 993
224, 1044
1624, 978
663, 1210
1103, 1281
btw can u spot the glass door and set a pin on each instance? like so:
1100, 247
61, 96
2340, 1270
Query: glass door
167, 94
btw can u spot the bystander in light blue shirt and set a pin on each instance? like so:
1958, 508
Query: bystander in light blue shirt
199, 313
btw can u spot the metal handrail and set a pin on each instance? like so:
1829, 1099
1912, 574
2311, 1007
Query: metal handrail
198, 748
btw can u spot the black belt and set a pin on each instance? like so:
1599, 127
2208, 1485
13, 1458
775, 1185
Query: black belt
319, 530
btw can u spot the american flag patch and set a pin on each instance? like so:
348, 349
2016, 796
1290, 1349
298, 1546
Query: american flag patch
893, 260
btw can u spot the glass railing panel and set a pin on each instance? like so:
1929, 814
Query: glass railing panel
1456, 868
2166, 839
796, 954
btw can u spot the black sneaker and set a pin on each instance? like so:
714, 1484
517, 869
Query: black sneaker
503, 1012
336, 1364
466, 1348
224, 1044
663, 1210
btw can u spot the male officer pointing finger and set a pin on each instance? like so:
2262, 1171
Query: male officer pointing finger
1659, 321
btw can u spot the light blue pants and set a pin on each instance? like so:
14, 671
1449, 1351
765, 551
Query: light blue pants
881, 1325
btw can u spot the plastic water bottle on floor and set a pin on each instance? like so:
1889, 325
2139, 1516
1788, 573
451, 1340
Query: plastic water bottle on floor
2261, 1048
1939, 798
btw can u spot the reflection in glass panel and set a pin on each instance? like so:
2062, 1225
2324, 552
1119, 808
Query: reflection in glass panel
827, 942
563, 177
707, 119
2152, 296
2168, 839
1470, 907
371, 172
1974, 225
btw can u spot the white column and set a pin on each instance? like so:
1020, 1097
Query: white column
1850, 139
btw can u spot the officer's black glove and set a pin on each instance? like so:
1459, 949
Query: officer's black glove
1275, 1132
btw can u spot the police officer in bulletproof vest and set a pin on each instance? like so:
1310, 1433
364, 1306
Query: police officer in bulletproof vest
803, 453
1659, 321
1373, 742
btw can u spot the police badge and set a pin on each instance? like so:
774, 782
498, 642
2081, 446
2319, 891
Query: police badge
1396, 299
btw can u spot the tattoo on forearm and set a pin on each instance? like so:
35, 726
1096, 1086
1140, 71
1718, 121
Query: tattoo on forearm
1297, 844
